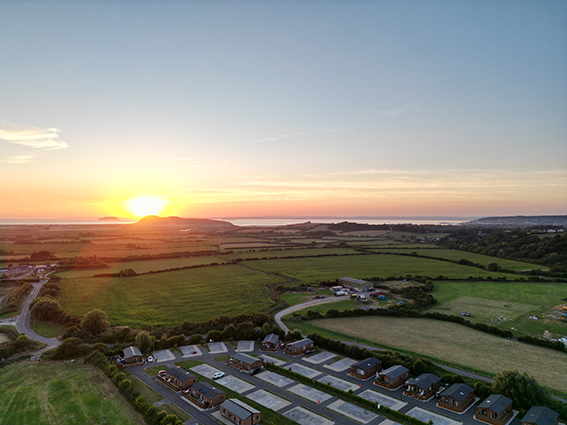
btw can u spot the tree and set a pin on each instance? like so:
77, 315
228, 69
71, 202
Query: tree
144, 341
522, 389
95, 322
493, 267
46, 308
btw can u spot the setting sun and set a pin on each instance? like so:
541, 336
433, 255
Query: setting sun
145, 205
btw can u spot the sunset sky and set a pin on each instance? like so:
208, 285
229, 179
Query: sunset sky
283, 108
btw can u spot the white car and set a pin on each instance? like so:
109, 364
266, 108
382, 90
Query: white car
150, 359
218, 375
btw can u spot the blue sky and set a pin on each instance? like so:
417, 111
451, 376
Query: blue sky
267, 108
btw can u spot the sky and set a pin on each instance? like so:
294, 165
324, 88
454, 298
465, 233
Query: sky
283, 108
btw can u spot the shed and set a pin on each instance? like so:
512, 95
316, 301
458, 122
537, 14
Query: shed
271, 343
204, 395
423, 387
361, 285
299, 347
245, 362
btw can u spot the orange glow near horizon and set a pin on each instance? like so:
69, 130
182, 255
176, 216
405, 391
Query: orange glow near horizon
142, 206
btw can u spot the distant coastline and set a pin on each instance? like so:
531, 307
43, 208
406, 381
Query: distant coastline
250, 221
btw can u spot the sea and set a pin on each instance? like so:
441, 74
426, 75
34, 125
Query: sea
256, 222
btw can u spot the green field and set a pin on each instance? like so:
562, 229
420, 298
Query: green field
513, 301
456, 344
143, 266
454, 255
314, 270
170, 298
301, 252
57, 393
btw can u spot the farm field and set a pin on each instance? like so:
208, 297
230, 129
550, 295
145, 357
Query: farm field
301, 252
26, 397
455, 343
513, 301
455, 255
170, 298
314, 270
143, 266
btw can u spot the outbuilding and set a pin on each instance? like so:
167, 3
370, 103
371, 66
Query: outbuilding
423, 387
361, 285
366, 368
392, 378
239, 412
299, 347
458, 398
495, 410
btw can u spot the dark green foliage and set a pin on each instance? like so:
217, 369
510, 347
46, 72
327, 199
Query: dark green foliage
95, 322
144, 341
522, 389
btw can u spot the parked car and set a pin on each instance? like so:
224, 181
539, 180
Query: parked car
438, 393
161, 373
150, 359
255, 371
218, 375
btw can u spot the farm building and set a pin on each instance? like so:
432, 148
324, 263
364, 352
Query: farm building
245, 362
361, 285
392, 378
458, 398
539, 415
299, 347
204, 395
133, 356
271, 343
423, 387
495, 410
177, 379
366, 368
240, 413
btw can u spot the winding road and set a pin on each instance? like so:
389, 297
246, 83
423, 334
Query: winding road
22, 321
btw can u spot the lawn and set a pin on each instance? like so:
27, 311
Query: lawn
456, 255
457, 344
513, 301
314, 270
55, 393
48, 329
143, 266
170, 298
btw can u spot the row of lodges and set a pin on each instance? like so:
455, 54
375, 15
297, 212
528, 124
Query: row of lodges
205, 396
494, 410
272, 343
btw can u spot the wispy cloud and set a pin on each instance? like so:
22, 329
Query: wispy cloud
34, 137
20, 159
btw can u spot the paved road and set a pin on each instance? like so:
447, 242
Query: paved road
22, 321
297, 307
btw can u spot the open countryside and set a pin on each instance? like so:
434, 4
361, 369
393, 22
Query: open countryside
456, 344
73, 394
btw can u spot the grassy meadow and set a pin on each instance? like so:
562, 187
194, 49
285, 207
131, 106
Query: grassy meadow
27, 397
314, 270
454, 255
144, 266
454, 343
514, 302
170, 298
